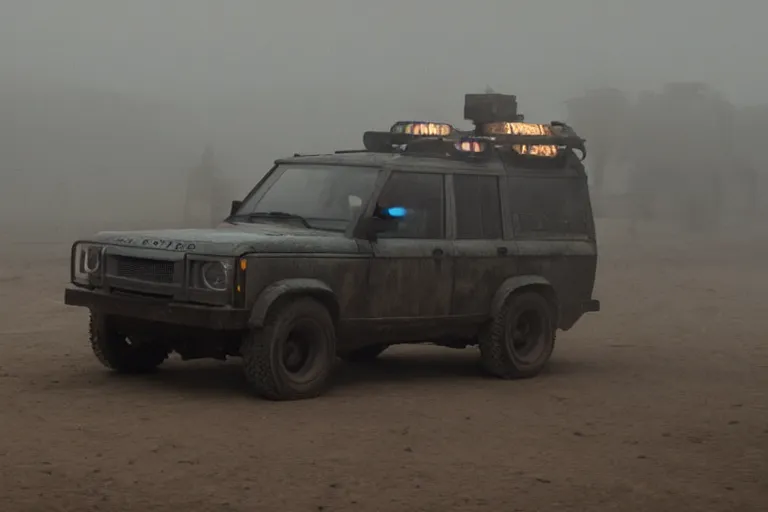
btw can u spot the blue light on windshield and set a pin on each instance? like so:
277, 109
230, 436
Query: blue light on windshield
396, 212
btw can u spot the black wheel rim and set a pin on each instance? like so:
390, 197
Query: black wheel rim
525, 335
301, 352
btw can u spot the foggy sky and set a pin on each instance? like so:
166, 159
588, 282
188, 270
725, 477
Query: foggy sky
198, 51
106, 96
106, 104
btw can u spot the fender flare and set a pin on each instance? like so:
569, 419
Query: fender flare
515, 284
290, 287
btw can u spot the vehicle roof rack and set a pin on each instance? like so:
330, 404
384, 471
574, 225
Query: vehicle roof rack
498, 125
561, 135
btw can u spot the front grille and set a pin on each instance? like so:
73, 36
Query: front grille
142, 269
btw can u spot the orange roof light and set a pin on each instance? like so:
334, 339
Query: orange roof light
524, 130
548, 151
529, 129
471, 146
422, 128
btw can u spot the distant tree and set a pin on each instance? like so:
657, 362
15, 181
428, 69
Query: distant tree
682, 138
751, 133
600, 116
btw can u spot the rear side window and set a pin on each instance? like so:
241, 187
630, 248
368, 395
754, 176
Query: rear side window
552, 207
478, 207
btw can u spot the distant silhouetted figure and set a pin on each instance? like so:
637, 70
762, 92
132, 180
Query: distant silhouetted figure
751, 183
206, 199
642, 191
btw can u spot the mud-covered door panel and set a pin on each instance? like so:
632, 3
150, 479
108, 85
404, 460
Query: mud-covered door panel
411, 278
483, 258
411, 272
555, 236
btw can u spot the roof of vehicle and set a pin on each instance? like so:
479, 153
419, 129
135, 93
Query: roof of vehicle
355, 159
392, 160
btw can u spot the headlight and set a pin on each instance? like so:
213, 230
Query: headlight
86, 263
213, 275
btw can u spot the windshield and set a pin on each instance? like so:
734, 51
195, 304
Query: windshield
319, 196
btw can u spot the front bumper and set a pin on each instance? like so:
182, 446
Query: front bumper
191, 315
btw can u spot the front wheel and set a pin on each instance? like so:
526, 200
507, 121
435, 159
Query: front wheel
121, 353
520, 339
292, 356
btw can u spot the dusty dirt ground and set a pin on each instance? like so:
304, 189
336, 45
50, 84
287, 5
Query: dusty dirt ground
659, 402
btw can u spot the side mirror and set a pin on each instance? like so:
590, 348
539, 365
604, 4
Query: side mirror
383, 219
235, 206
374, 225
355, 203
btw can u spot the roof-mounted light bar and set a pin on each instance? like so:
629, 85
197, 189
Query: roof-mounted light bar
542, 150
523, 130
496, 115
473, 145
515, 128
422, 128
528, 139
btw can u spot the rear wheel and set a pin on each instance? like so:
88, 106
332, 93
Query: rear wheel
520, 339
364, 354
292, 356
121, 353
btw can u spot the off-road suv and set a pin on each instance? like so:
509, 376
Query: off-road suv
430, 234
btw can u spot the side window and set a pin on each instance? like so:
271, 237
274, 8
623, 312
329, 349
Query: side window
421, 194
550, 206
478, 207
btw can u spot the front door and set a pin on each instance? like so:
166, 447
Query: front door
411, 272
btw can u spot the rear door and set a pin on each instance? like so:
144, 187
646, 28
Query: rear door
485, 257
411, 272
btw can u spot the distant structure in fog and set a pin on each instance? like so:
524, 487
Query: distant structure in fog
689, 152
601, 115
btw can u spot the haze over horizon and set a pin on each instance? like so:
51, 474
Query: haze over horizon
116, 90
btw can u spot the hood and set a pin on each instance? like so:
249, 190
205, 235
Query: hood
234, 240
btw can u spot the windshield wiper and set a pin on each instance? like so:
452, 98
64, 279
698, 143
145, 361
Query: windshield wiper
274, 215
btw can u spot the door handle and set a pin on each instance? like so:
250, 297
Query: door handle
502, 251
437, 252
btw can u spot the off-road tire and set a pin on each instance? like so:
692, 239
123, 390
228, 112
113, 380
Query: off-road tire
263, 351
496, 355
114, 351
363, 355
